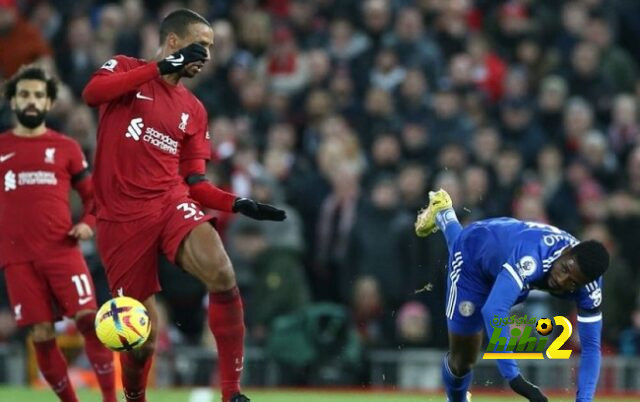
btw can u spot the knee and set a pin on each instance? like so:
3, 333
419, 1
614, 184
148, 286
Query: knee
461, 363
42, 332
220, 275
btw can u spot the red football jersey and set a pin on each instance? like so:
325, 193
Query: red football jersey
142, 137
34, 199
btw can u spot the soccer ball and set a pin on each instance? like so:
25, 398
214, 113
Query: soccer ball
122, 323
544, 326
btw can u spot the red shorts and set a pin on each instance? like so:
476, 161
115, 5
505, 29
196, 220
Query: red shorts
129, 250
41, 291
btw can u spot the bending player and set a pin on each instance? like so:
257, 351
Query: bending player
39, 249
493, 264
153, 143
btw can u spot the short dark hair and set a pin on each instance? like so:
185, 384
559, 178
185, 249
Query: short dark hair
31, 72
178, 21
592, 257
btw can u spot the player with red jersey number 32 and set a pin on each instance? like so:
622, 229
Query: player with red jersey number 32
39, 251
153, 143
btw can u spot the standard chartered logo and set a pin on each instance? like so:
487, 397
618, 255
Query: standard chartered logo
38, 177
10, 181
137, 130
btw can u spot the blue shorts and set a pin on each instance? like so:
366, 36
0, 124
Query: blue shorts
466, 293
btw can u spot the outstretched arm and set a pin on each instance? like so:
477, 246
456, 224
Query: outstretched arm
589, 329
212, 197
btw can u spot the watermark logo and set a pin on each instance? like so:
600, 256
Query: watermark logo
518, 343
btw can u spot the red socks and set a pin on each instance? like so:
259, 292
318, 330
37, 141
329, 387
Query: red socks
100, 357
135, 370
54, 369
226, 320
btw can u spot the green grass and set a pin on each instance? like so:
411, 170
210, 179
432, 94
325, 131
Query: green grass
8, 394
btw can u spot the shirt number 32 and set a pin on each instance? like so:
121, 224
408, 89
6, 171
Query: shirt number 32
191, 211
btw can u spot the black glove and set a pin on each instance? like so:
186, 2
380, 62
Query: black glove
176, 61
527, 389
257, 210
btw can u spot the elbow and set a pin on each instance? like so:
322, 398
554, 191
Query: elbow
90, 96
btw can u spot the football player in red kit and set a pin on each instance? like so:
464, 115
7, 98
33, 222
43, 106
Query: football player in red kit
45, 271
153, 143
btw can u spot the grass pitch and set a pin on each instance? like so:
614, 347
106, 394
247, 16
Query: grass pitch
12, 394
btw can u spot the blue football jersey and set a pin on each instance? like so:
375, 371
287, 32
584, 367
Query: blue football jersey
526, 250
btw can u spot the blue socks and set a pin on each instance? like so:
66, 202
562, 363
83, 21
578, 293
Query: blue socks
455, 387
447, 222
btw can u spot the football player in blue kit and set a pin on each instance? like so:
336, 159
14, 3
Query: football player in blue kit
493, 264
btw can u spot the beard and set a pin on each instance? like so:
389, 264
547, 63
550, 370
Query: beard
31, 120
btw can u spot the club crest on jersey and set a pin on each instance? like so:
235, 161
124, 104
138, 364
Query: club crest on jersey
183, 122
49, 155
466, 308
527, 266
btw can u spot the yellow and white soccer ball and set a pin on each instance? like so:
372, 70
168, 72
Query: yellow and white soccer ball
123, 323
544, 326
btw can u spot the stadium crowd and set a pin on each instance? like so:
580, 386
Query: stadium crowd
345, 113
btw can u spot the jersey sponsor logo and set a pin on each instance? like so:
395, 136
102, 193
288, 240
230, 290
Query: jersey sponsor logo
6, 157
527, 266
10, 181
183, 122
39, 177
135, 128
466, 308
110, 64
139, 95
49, 155
151, 136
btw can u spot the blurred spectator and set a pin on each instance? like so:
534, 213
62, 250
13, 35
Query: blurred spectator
624, 131
449, 121
373, 248
373, 323
586, 80
551, 99
556, 190
488, 68
21, 42
617, 66
520, 130
285, 69
630, 337
620, 286
413, 325
278, 285
414, 47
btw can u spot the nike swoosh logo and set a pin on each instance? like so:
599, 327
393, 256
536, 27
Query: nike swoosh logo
6, 157
175, 60
85, 300
139, 95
